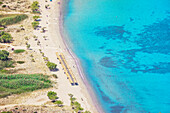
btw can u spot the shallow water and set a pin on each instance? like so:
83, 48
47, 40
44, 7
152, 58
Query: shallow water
124, 49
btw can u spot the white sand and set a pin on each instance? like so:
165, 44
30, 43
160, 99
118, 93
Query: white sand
53, 44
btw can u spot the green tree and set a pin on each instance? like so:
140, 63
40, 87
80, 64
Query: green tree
71, 95
35, 6
5, 37
36, 17
35, 24
51, 66
77, 106
59, 103
52, 95
28, 46
4, 55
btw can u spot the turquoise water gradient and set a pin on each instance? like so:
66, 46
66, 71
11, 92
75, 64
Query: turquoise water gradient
124, 48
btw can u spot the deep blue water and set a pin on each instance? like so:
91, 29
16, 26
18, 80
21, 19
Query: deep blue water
124, 48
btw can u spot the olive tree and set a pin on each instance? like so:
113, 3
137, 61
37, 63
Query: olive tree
5, 37
59, 103
35, 6
52, 95
4, 55
51, 66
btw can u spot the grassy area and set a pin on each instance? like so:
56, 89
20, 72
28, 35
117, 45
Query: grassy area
6, 64
20, 83
10, 19
20, 62
19, 51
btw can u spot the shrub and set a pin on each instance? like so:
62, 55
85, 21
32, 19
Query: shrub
4, 55
52, 95
87, 112
75, 104
19, 51
59, 103
20, 62
77, 107
35, 24
36, 17
4, 6
6, 64
51, 66
11, 71
33, 60
1, 3
5, 37
6, 112
55, 76
35, 6
1, 28
3, 71
9, 20
28, 46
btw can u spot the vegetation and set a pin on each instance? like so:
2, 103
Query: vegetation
28, 46
5, 37
33, 60
19, 51
51, 66
87, 112
36, 17
75, 105
52, 95
5, 71
35, 6
59, 103
3, 6
35, 24
4, 60
1, 3
6, 112
12, 19
4, 55
20, 83
1, 28
20, 62
6, 64
55, 76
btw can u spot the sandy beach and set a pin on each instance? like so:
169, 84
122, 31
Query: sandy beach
51, 19
49, 42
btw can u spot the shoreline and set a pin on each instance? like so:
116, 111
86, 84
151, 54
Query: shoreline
55, 41
77, 62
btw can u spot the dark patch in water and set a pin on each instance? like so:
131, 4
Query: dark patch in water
131, 19
104, 96
109, 50
161, 68
117, 109
157, 34
111, 32
130, 63
154, 38
109, 53
107, 62
102, 47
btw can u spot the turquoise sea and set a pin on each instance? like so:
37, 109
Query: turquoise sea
124, 48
